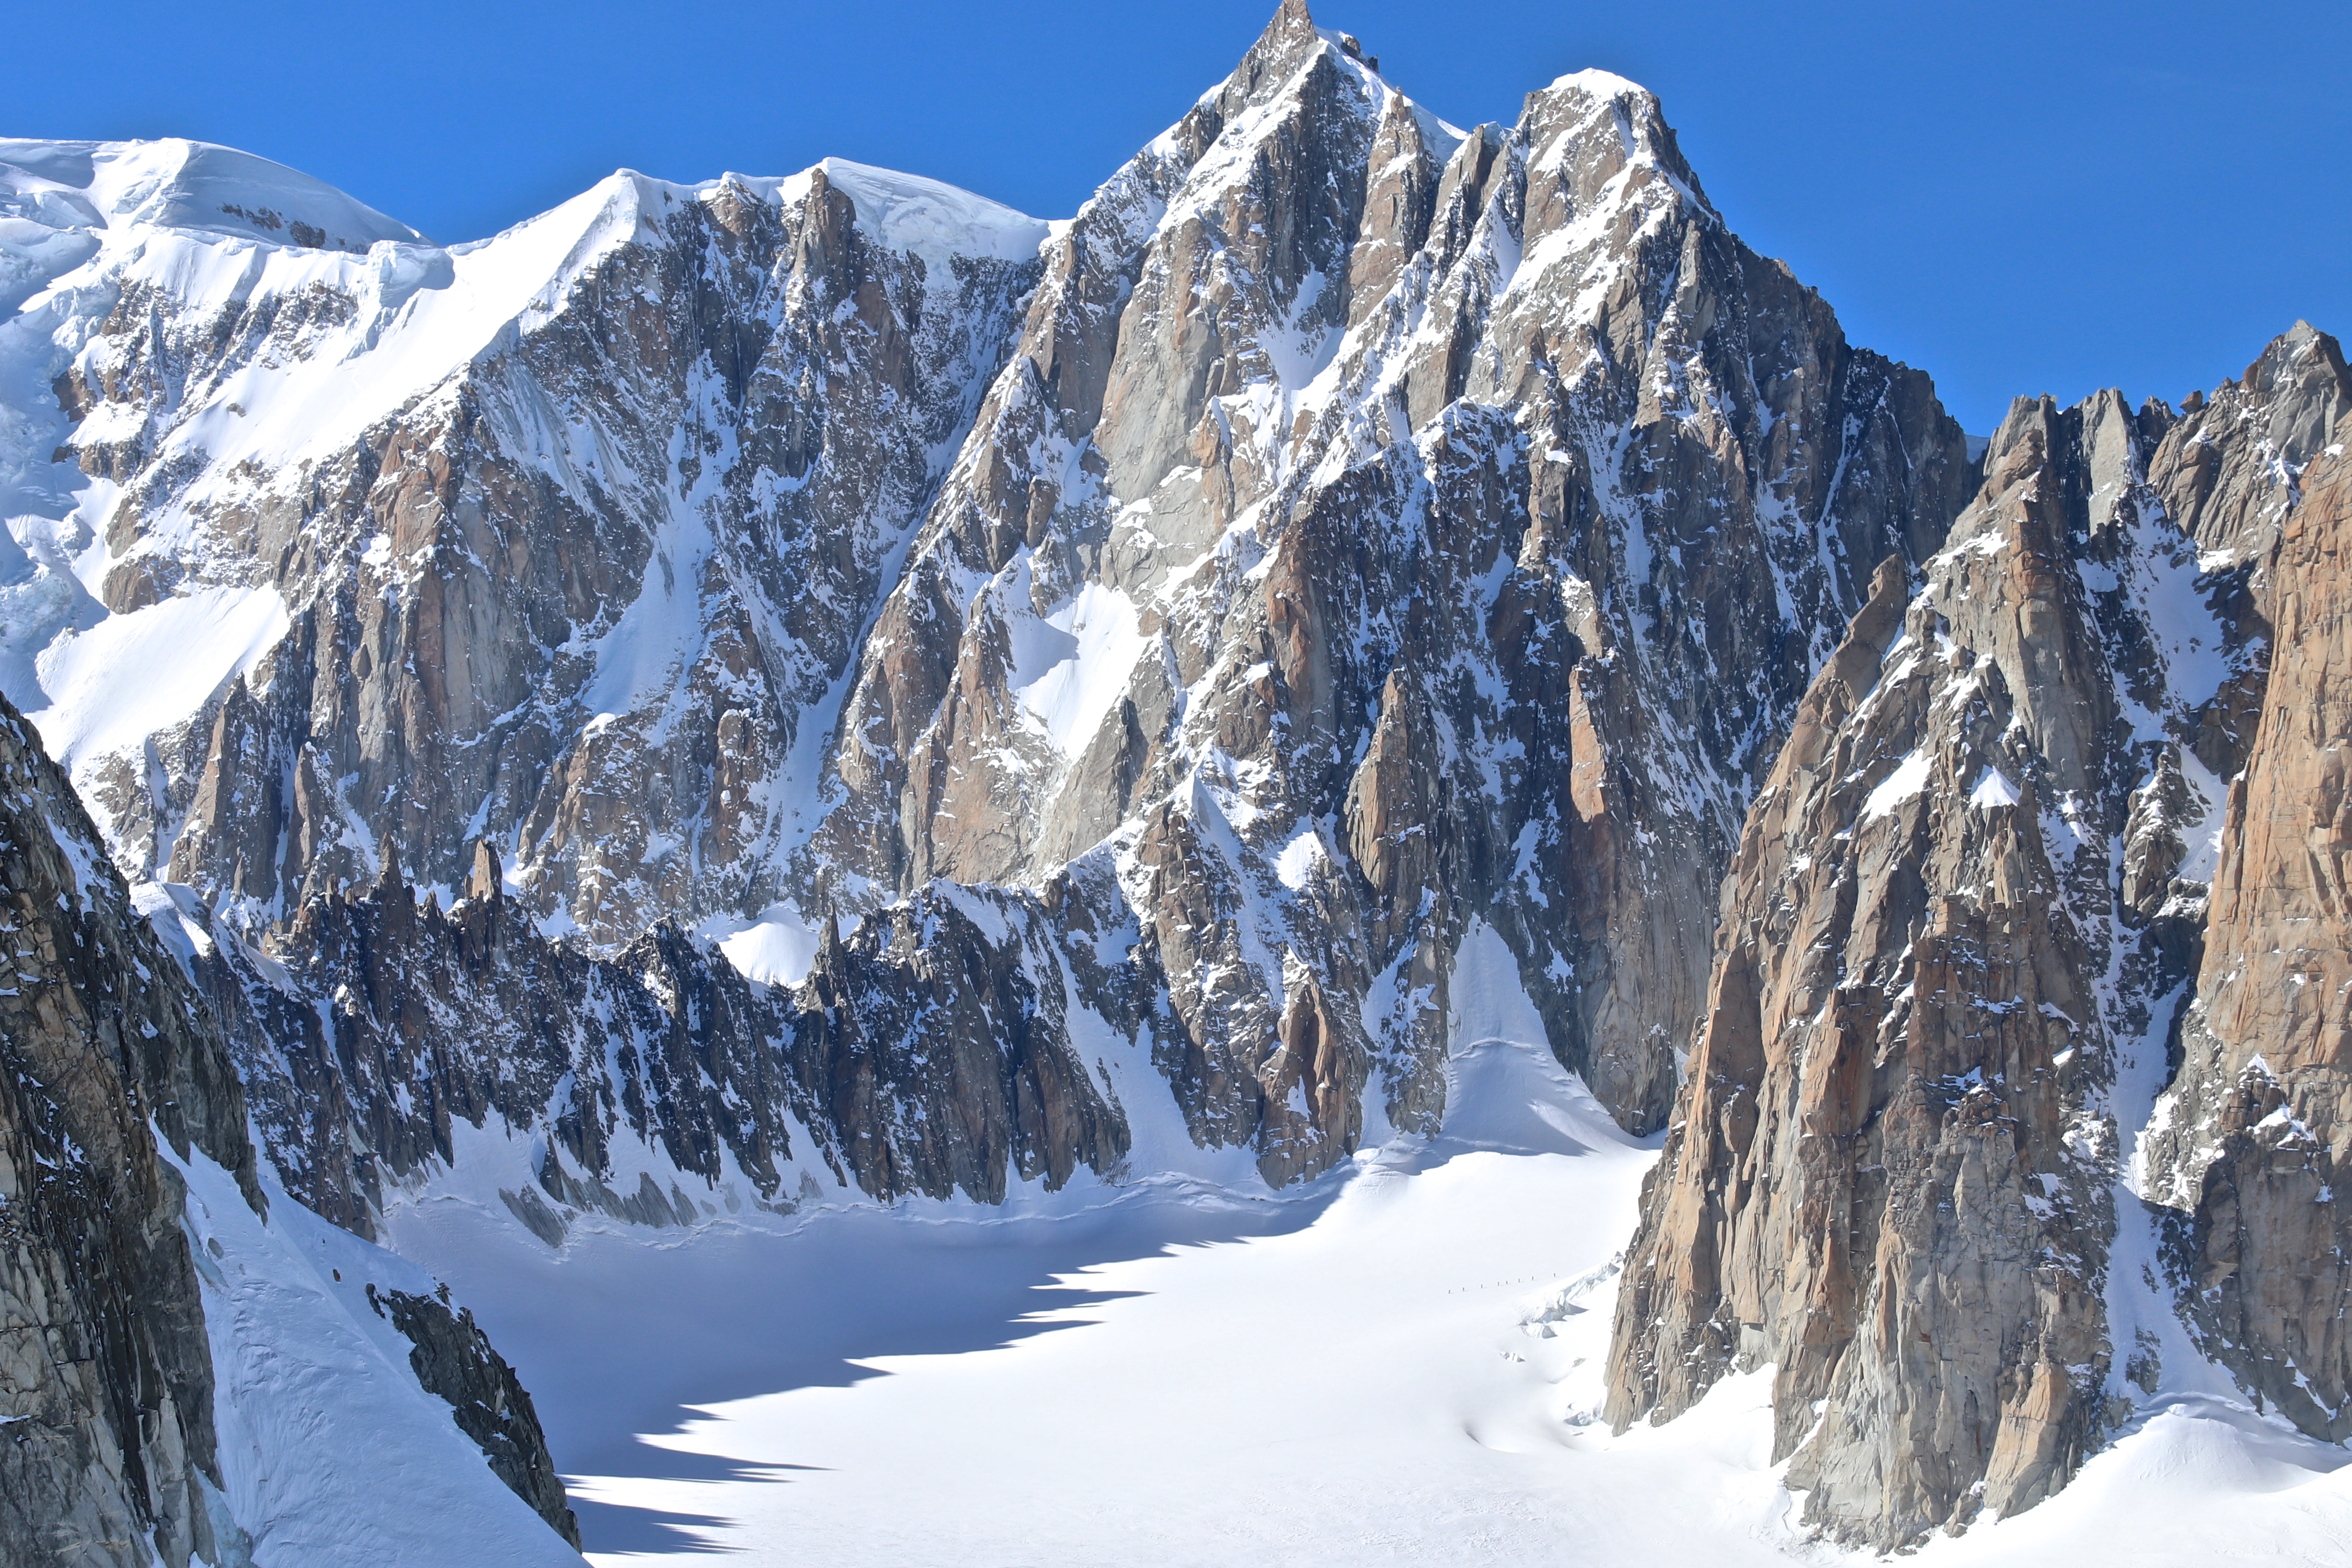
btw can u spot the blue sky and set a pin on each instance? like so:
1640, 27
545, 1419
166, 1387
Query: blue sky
2017, 197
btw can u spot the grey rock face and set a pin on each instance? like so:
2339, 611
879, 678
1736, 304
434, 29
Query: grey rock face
573, 582
105, 1377
1964, 914
1174, 633
1346, 531
2231, 466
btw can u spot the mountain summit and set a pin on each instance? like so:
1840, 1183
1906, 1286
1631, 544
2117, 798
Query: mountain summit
733, 696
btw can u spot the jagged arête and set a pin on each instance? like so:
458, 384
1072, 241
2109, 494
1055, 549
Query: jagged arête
730, 694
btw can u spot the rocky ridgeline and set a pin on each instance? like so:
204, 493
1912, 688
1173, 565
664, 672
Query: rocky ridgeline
1147, 647
1958, 942
919, 1056
108, 1444
104, 1368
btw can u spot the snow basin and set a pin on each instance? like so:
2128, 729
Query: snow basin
1397, 1364
1342, 1374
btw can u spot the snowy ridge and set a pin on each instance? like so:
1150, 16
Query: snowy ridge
934, 220
1115, 532
183, 184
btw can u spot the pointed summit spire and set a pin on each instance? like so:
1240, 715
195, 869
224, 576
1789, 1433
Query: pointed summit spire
1291, 20
487, 879
1288, 39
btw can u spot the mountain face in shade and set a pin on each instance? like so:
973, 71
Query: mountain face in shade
825, 688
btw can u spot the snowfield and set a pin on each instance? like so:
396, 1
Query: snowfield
1399, 1364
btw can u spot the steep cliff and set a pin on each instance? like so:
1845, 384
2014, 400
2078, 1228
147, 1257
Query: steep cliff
557, 536
1965, 911
454, 1359
733, 695
2257, 1127
126, 1419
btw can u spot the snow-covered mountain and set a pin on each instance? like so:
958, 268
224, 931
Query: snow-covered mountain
432, 544
1220, 575
823, 690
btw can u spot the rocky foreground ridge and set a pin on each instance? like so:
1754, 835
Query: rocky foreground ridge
114, 1068
732, 694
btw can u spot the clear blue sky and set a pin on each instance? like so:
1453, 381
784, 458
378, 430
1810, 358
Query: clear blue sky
2018, 198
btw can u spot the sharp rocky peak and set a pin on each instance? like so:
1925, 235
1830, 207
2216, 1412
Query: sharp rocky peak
735, 694
1933, 1158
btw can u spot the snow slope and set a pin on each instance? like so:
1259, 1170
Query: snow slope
1379, 1416
1398, 1365
329, 1452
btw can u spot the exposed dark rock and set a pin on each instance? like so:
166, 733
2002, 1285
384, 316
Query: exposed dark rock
1179, 630
454, 1360
1509, 630
921, 1054
105, 1377
107, 1444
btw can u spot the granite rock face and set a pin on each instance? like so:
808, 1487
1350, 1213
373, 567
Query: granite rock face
658, 1086
737, 695
2258, 1124
1965, 913
561, 533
